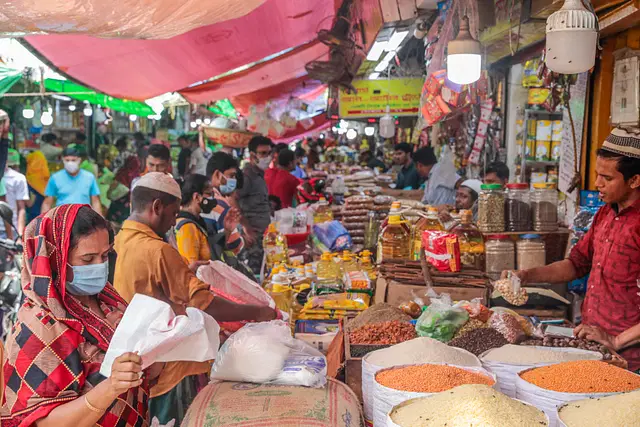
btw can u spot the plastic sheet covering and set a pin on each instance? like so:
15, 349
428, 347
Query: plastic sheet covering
142, 69
149, 19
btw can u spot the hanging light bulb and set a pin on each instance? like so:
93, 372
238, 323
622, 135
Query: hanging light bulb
387, 125
27, 111
369, 130
193, 125
72, 107
352, 134
198, 122
133, 117
207, 121
572, 39
464, 56
46, 119
88, 111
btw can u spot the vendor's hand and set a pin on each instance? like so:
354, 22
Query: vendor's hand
249, 237
195, 265
594, 333
266, 314
232, 220
126, 373
520, 274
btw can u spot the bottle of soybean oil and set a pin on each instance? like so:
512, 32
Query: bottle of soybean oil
430, 223
395, 240
275, 246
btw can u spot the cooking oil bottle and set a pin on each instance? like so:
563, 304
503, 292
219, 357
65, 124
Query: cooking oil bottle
472, 252
366, 265
275, 247
395, 240
429, 223
327, 269
322, 212
349, 263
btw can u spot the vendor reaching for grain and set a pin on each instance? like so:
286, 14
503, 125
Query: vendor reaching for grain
147, 265
610, 251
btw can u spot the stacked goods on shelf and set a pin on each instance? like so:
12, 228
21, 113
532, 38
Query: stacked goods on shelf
360, 182
355, 214
466, 405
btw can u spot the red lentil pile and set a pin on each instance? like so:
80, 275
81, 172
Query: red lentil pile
583, 376
384, 333
429, 378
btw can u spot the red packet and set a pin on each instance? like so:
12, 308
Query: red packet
442, 250
435, 81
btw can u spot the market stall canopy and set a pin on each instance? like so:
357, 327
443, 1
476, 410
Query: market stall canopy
79, 92
142, 69
302, 129
276, 71
229, 137
8, 77
301, 88
148, 19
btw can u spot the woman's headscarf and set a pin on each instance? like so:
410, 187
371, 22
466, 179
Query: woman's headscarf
129, 170
57, 346
37, 171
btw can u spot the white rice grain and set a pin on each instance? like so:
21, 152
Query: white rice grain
620, 410
422, 350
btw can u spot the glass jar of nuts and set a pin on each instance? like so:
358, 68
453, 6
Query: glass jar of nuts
491, 209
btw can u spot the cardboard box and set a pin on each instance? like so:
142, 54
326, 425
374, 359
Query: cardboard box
396, 293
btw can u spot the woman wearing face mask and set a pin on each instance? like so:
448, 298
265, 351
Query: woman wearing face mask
63, 330
191, 229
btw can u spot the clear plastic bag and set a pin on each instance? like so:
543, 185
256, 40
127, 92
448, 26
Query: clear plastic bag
441, 320
509, 326
266, 353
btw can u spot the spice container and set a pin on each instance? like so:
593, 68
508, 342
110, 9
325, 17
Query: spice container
544, 203
491, 208
518, 207
500, 255
530, 251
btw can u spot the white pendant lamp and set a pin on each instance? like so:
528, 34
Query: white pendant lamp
27, 111
87, 111
572, 39
387, 125
464, 56
46, 119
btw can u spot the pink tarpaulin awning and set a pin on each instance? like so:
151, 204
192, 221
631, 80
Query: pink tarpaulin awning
149, 19
320, 122
301, 88
142, 69
276, 71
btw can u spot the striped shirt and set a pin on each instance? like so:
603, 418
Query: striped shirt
235, 242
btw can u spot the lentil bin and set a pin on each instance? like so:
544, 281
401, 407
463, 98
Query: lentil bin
467, 405
383, 333
617, 410
429, 378
582, 376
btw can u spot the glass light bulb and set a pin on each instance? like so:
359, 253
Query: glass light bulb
369, 130
464, 69
352, 134
198, 121
193, 125
28, 113
46, 119
88, 111
133, 117
72, 107
207, 121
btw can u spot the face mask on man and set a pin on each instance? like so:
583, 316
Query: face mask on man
71, 166
264, 162
88, 279
229, 187
207, 204
305, 161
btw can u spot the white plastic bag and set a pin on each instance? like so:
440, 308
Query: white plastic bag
266, 353
151, 328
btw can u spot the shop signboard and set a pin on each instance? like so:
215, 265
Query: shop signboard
373, 96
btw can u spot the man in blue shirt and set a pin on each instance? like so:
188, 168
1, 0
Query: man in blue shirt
301, 159
72, 184
441, 178
408, 177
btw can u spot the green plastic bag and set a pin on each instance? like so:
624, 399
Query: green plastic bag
441, 320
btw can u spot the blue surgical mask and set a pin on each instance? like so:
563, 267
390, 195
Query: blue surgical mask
229, 187
305, 160
88, 279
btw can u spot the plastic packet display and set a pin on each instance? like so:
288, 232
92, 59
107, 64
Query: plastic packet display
442, 319
333, 235
442, 250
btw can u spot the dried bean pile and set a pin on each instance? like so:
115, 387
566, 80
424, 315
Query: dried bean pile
571, 342
471, 325
429, 378
383, 333
478, 341
583, 376
378, 313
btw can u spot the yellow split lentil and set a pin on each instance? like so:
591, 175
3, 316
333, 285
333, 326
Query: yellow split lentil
583, 376
429, 378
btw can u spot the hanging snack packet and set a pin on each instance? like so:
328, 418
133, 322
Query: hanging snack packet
442, 250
